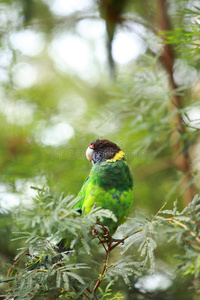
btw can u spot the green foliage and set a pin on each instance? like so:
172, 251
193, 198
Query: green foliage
40, 271
136, 110
107, 294
183, 227
185, 38
43, 272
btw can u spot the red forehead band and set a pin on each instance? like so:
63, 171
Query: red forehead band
91, 145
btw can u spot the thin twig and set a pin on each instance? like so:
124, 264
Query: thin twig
103, 271
86, 296
192, 233
159, 211
15, 263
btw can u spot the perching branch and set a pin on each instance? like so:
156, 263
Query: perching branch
107, 242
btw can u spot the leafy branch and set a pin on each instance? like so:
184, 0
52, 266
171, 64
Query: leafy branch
40, 271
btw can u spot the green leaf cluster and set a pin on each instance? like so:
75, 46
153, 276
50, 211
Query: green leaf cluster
40, 271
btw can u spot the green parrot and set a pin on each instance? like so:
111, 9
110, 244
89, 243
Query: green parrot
109, 185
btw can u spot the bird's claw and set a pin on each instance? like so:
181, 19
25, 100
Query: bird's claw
105, 237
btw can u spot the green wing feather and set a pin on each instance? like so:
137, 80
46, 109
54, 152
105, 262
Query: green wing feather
82, 193
109, 186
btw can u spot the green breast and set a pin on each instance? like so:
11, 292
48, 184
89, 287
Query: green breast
109, 175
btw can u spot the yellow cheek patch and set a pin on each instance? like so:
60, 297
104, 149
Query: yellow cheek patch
118, 156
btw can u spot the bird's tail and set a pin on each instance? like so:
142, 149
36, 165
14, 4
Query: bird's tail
61, 248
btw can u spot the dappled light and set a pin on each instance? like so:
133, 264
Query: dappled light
122, 76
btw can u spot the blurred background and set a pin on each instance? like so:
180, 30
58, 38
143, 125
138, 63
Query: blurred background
73, 71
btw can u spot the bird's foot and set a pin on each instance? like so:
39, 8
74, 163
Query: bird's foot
102, 233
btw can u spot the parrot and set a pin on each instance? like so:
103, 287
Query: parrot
109, 185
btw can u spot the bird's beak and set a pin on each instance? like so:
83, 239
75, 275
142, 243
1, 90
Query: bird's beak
89, 153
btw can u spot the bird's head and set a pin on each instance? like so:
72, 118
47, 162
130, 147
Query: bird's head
103, 150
